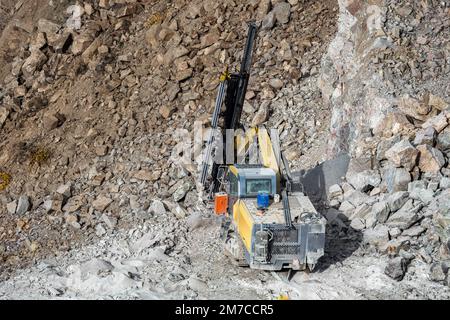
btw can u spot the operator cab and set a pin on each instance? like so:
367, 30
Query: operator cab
246, 181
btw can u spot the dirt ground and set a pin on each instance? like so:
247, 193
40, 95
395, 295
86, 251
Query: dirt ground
130, 265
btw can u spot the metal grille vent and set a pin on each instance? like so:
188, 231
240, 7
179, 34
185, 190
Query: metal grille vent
285, 249
283, 236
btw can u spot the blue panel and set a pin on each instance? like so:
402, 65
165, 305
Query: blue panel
262, 200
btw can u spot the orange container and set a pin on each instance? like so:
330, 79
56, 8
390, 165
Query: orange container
220, 203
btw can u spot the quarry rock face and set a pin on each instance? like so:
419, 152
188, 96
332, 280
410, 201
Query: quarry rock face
370, 33
390, 113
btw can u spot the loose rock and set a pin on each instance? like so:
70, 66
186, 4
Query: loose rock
402, 154
396, 268
430, 159
282, 12
23, 205
101, 203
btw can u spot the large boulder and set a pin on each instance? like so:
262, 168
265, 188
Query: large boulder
430, 159
364, 179
384, 145
33, 63
268, 22
81, 42
396, 268
443, 141
282, 12
55, 37
393, 124
396, 179
361, 211
403, 154
438, 122
405, 217
397, 200
11, 207
380, 211
47, 26
355, 197
181, 191
425, 136
262, 115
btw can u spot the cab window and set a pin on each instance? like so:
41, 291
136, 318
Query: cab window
253, 186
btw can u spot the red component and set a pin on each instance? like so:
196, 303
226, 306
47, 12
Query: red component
220, 203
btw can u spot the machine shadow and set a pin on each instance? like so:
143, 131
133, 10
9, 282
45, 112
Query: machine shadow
341, 240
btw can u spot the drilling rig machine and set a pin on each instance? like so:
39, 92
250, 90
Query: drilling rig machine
269, 223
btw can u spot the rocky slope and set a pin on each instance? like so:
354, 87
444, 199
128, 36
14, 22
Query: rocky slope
93, 91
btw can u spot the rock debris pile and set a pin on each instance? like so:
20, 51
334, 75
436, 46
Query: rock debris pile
395, 125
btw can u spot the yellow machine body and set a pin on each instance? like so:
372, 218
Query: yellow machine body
269, 243
244, 223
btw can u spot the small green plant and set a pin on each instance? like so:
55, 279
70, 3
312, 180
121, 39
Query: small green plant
154, 19
5, 179
39, 156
